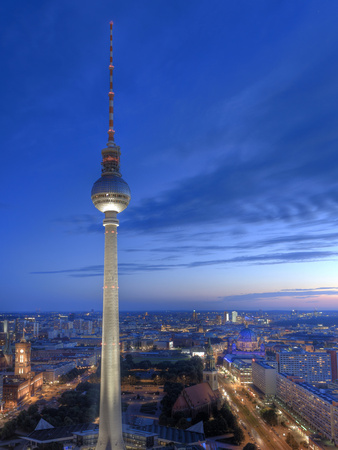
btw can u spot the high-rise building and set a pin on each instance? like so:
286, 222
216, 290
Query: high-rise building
226, 317
110, 195
234, 316
317, 407
334, 363
313, 367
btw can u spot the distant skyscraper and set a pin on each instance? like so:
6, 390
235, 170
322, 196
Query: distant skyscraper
234, 316
194, 316
110, 195
226, 317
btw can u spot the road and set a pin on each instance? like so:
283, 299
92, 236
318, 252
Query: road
256, 428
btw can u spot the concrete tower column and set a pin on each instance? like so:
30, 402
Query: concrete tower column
110, 430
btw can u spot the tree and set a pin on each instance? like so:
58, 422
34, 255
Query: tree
250, 446
228, 416
173, 391
33, 409
182, 423
291, 441
8, 430
145, 365
270, 417
200, 416
211, 428
129, 361
238, 435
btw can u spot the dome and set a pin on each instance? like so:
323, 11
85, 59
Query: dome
110, 193
247, 335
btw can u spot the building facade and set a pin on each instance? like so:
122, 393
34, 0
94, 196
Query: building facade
316, 407
210, 372
15, 389
264, 377
22, 358
315, 368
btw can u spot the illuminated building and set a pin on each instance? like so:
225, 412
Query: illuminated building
318, 407
7, 359
15, 389
110, 195
240, 367
313, 367
264, 377
234, 316
242, 349
22, 358
24, 383
210, 372
246, 343
334, 364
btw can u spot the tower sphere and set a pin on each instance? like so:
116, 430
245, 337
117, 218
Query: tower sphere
110, 193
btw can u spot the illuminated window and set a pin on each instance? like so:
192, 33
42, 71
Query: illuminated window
21, 358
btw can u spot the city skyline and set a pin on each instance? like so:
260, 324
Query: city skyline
232, 160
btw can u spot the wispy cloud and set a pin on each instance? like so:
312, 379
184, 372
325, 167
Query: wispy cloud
285, 293
128, 268
89, 271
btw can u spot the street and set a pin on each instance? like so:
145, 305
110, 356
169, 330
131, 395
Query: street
256, 429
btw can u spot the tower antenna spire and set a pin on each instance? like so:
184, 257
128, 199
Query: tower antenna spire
111, 131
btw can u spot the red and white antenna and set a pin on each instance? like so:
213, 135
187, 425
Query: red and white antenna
111, 131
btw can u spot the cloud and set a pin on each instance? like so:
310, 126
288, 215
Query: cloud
128, 268
312, 290
270, 159
285, 293
88, 271
303, 241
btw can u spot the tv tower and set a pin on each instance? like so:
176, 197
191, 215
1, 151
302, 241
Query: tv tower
110, 195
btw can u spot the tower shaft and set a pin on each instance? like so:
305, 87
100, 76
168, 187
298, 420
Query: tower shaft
110, 429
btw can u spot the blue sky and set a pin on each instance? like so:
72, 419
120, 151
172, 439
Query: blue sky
226, 114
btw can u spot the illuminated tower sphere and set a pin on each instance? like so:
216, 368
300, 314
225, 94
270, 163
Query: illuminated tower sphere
110, 195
